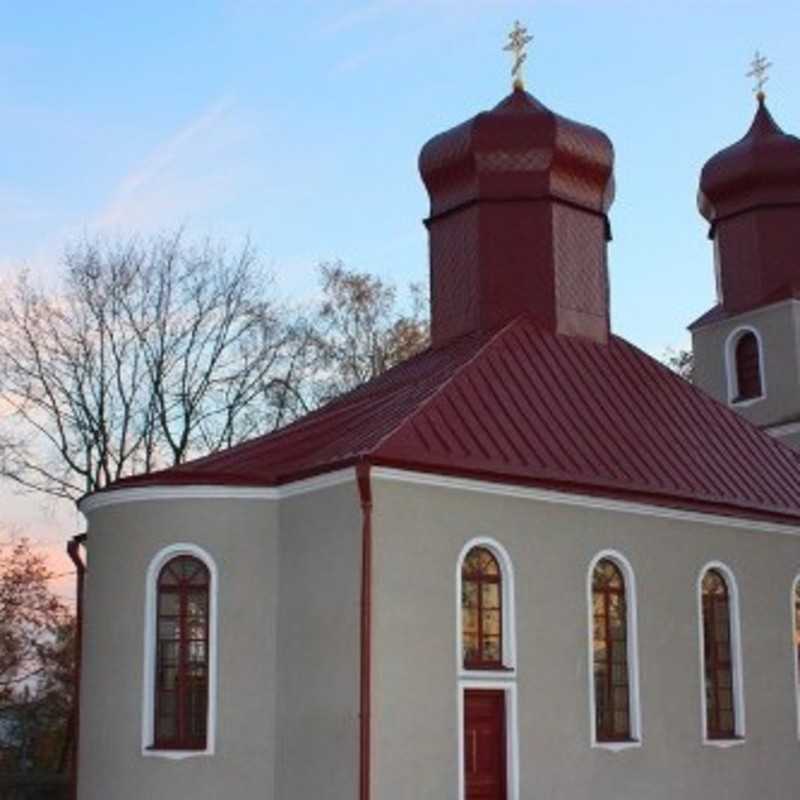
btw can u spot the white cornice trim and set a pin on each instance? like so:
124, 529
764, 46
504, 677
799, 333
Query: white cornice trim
114, 497
579, 500
783, 430
149, 493
749, 314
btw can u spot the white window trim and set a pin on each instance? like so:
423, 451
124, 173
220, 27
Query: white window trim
795, 661
509, 617
148, 680
632, 622
736, 657
512, 732
504, 680
730, 366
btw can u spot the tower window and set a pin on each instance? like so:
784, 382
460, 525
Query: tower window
748, 368
182, 658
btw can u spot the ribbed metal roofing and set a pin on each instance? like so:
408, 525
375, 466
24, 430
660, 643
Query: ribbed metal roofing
529, 407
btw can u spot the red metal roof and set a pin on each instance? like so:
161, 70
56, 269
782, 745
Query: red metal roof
529, 407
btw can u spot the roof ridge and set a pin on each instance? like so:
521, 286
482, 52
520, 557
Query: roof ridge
459, 370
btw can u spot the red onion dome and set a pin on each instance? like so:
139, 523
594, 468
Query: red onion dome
520, 150
762, 169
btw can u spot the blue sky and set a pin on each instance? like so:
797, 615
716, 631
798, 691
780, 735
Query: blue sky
299, 124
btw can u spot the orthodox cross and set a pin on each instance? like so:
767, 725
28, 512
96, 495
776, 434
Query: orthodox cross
758, 70
518, 40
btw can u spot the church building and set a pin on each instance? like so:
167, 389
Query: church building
529, 563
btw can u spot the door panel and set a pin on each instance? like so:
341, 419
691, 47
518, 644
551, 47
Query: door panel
485, 744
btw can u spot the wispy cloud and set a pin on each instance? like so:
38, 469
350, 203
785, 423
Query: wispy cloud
398, 24
190, 171
190, 175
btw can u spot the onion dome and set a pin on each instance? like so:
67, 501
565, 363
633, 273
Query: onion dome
518, 225
519, 149
762, 169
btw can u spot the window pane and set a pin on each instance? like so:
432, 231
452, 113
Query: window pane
196, 628
469, 620
607, 576
490, 595
168, 652
168, 628
169, 604
491, 649
489, 564
167, 725
197, 652
469, 594
168, 577
168, 677
599, 630
491, 623
197, 603
470, 647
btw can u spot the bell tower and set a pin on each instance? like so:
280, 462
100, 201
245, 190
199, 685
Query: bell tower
747, 347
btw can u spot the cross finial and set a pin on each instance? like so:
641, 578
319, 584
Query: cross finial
518, 40
759, 68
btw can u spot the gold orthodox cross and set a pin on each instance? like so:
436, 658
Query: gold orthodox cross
518, 40
758, 70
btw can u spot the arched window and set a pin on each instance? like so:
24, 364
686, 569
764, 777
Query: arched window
182, 655
745, 370
719, 667
612, 696
481, 610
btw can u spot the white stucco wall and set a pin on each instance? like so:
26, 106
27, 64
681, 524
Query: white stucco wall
289, 633
288, 583
420, 530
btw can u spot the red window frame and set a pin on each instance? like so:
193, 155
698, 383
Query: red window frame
182, 678
611, 667
718, 657
748, 367
481, 569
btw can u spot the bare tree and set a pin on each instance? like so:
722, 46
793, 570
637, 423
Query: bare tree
360, 331
148, 353
680, 361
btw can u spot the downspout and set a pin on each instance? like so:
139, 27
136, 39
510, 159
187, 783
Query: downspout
365, 495
73, 550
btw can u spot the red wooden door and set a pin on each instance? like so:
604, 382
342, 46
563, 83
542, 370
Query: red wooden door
485, 744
